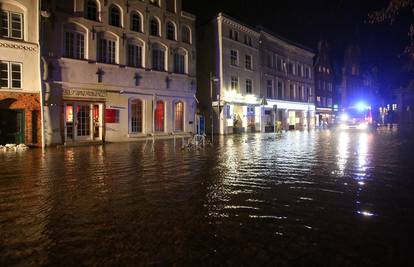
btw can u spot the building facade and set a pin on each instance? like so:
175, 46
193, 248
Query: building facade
287, 83
235, 93
20, 112
352, 81
324, 86
118, 70
229, 73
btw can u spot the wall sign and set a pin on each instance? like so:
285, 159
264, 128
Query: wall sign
83, 93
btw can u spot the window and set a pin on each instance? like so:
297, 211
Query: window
159, 116
249, 64
308, 73
171, 6
11, 25
302, 93
269, 88
279, 64
158, 59
155, 2
154, 27
115, 16
318, 100
290, 68
269, 60
179, 117
74, 45
234, 83
136, 22
106, 51
300, 70
91, 10
236, 35
10, 75
279, 89
134, 56
247, 40
170, 31
329, 102
186, 34
292, 92
136, 116
179, 63
249, 86
234, 58
111, 116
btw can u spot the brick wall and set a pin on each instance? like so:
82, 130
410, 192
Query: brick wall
30, 103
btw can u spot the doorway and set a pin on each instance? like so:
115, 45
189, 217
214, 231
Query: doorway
83, 121
12, 126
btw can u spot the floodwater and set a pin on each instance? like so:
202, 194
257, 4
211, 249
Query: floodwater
319, 198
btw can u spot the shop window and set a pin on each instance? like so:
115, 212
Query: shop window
159, 116
112, 116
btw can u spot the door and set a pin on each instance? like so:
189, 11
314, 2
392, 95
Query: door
12, 126
83, 122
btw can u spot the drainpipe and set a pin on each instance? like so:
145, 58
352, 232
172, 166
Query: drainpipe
40, 42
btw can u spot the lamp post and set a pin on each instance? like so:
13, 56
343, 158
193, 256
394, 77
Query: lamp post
262, 104
212, 80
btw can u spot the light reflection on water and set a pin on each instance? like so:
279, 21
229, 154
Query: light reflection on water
301, 198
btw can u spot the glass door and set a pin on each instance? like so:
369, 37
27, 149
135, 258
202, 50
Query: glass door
83, 122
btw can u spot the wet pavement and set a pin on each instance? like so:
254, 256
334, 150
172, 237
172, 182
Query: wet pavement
320, 198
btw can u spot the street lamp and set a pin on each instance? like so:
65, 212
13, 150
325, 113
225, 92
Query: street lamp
262, 104
213, 80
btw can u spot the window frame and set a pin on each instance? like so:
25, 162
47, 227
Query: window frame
140, 22
108, 51
250, 67
10, 29
181, 117
134, 130
234, 83
170, 25
10, 71
137, 55
234, 53
249, 86
111, 18
97, 11
78, 49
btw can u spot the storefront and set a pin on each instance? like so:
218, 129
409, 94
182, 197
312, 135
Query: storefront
84, 115
324, 117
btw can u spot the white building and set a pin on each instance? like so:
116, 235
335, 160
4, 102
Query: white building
119, 70
232, 57
20, 115
242, 89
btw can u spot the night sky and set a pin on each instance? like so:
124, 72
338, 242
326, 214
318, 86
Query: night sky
341, 22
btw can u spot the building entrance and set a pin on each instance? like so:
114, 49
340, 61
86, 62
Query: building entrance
12, 126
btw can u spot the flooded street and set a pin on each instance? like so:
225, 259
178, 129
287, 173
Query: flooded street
319, 198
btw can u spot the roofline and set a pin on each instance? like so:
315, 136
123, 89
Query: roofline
221, 14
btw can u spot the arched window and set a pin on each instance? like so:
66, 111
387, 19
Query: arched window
74, 41
136, 118
154, 27
180, 61
136, 22
158, 57
186, 34
107, 48
135, 53
115, 16
159, 116
179, 117
170, 31
91, 10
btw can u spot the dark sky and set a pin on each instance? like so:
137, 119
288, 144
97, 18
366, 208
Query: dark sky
341, 22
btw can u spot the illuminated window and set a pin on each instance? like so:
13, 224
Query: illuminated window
111, 115
11, 25
179, 117
159, 116
136, 116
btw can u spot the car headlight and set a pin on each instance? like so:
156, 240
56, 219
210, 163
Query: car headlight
363, 126
344, 117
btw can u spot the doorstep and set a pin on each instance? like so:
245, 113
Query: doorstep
82, 143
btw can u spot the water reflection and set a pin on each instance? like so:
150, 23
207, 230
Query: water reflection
250, 200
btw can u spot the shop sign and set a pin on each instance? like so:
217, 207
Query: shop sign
83, 93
